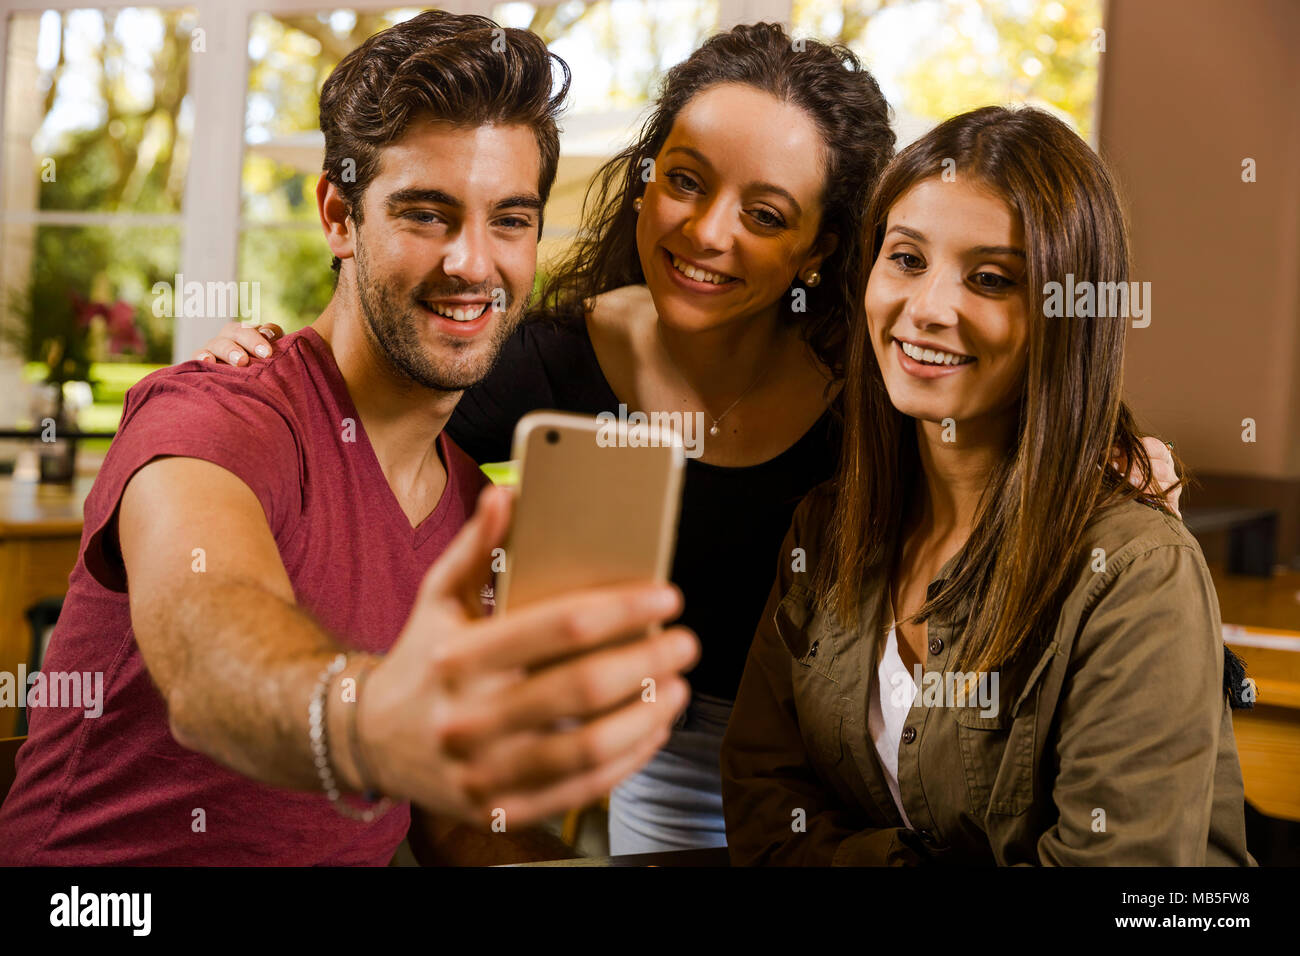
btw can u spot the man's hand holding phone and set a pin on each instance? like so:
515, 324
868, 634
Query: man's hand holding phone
527, 714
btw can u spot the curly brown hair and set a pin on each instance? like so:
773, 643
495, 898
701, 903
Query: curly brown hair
843, 99
463, 69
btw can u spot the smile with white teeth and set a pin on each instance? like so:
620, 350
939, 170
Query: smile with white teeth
699, 275
459, 313
933, 356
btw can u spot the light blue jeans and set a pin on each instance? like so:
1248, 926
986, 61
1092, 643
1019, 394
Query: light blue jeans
675, 801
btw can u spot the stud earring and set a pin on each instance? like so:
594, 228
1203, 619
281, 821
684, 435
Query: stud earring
636, 203
813, 280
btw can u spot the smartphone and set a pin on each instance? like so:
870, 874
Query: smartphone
597, 504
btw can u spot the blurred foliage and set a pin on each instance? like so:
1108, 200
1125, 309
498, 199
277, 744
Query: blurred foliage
130, 157
100, 264
976, 52
289, 59
293, 267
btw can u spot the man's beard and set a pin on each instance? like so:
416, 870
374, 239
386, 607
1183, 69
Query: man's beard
395, 328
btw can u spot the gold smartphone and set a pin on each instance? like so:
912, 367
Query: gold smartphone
597, 505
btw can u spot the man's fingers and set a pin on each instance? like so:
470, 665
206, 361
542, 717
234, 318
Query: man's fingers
521, 809
466, 564
587, 685
531, 761
499, 516
569, 624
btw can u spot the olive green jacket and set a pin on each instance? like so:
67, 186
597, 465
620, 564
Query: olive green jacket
1110, 742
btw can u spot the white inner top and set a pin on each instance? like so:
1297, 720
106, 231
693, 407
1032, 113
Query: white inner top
888, 712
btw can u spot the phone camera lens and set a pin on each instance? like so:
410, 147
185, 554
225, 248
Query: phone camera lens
552, 436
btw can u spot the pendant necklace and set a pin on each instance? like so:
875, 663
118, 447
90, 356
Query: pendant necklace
714, 430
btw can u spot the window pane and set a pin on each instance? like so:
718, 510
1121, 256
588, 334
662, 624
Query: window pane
100, 99
937, 58
293, 268
88, 294
289, 59
617, 49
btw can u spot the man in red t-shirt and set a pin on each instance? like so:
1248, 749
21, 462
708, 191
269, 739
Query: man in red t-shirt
281, 569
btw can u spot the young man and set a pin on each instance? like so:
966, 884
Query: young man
281, 568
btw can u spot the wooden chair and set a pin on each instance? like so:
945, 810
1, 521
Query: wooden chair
8, 753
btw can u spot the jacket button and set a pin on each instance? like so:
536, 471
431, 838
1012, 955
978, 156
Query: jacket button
909, 734
926, 837
936, 645
812, 651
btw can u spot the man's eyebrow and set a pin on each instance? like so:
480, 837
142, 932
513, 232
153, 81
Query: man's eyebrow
405, 197
411, 195
530, 201
764, 187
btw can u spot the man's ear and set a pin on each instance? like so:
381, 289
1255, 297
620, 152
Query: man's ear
334, 218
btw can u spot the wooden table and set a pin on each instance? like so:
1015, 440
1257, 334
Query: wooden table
40, 534
1261, 623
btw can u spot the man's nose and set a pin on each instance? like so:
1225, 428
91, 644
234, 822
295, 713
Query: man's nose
468, 255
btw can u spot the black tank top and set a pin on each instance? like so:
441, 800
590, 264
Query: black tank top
733, 520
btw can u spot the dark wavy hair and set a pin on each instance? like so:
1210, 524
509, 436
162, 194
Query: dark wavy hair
831, 85
464, 69
1054, 475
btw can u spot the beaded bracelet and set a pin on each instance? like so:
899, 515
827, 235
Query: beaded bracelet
316, 712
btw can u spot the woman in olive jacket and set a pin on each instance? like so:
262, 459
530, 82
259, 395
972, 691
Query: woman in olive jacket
982, 645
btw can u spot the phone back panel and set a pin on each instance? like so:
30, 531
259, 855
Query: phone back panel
587, 515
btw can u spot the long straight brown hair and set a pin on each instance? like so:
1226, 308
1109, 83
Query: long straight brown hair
1026, 541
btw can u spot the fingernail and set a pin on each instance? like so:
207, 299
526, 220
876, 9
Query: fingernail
264, 350
235, 356
205, 356
663, 600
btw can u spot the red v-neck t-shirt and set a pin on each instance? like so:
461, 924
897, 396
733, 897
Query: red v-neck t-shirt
118, 788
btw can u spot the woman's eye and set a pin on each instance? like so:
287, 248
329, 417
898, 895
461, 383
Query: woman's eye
767, 217
992, 281
515, 222
682, 181
906, 261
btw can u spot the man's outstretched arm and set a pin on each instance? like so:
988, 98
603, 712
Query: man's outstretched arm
471, 717
233, 656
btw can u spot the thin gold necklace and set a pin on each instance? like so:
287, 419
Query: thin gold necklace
714, 430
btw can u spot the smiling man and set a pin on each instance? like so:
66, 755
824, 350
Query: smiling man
281, 568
